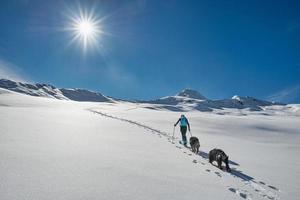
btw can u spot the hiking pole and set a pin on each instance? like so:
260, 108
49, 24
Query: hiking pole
173, 134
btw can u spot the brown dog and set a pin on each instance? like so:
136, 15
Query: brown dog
195, 144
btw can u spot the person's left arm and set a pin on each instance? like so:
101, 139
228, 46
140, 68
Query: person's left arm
187, 121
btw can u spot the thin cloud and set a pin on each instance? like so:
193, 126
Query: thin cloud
11, 71
293, 27
287, 95
120, 77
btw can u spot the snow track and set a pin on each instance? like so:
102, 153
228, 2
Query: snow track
246, 187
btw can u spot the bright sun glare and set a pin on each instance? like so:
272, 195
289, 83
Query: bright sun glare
85, 28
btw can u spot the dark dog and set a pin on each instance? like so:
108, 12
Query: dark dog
195, 144
219, 156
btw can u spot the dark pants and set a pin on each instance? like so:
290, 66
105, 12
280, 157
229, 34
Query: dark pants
183, 130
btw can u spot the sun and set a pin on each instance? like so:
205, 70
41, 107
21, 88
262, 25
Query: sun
85, 28
87, 31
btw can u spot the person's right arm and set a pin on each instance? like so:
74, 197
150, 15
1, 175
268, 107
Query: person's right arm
177, 122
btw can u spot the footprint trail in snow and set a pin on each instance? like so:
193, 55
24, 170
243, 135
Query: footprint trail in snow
262, 189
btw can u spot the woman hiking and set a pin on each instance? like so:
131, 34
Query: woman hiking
184, 124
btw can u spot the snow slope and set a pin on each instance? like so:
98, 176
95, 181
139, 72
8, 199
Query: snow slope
52, 149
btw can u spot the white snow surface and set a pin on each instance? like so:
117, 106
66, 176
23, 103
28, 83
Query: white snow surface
56, 149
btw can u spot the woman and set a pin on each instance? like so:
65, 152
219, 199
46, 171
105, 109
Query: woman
184, 124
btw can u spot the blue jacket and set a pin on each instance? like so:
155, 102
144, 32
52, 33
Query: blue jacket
183, 122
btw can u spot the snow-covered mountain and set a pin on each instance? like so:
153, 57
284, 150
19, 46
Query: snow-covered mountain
47, 90
192, 100
189, 93
183, 101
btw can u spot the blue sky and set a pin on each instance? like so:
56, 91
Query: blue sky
156, 48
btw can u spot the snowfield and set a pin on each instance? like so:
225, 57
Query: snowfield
68, 150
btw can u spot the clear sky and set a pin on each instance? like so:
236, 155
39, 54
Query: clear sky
155, 48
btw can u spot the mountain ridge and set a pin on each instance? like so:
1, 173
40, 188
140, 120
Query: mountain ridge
185, 100
50, 91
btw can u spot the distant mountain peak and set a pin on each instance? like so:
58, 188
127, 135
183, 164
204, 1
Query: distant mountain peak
191, 94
